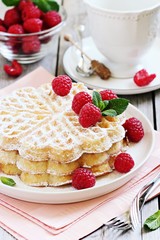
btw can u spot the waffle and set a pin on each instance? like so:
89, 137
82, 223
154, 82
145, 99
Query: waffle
8, 162
42, 141
44, 173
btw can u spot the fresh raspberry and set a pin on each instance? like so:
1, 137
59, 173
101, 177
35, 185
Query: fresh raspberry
134, 129
14, 70
13, 44
42, 14
142, 78
16, 29
52, 18
83, 178
108, 95
62, 85
2, 29
79, 100
1, 22
45, 39
123, 162
89, 115
12, 16
23, 3
30, 12
31, 44
32, 25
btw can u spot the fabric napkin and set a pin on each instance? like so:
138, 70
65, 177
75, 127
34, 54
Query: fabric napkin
35, 79
26, 220
18, 219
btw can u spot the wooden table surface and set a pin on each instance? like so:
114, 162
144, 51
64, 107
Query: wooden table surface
148, 103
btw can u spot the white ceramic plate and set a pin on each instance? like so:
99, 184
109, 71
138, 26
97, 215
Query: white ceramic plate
120, 86
139, 151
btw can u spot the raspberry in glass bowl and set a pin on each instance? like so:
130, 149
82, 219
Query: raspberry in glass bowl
27, 34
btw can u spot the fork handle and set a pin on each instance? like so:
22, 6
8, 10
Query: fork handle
147, 190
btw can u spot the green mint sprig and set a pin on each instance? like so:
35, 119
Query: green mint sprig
153, 222
111, 107
47, 5
8, 181
44, 5
10, 3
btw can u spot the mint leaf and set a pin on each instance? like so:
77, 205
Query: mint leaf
47, 5
106, 102
111, 107
118, 104
109, 112
102, 105
7, 181
54, 5
96, 98
10, 3
44, 5
153, 222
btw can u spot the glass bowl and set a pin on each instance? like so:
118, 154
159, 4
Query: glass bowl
31, 47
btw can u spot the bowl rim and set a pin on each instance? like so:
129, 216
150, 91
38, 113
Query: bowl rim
62, 12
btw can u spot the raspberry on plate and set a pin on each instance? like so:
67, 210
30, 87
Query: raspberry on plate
83, 178
62, 85
134, 129
52, 18
89, 115
108, 95
123, 162
32, 25
142, 78
79, 100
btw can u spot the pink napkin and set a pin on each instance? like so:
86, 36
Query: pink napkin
34, 79
26, 220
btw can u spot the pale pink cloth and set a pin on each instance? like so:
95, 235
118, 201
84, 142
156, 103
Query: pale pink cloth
68, 221
34, 79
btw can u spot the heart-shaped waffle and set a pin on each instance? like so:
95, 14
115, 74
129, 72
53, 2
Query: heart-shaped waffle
40, 126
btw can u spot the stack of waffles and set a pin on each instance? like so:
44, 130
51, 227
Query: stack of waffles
42, 141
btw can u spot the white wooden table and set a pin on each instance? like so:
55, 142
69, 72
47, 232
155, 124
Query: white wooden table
148, 103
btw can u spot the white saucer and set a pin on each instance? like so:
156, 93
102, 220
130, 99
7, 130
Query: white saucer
120, 86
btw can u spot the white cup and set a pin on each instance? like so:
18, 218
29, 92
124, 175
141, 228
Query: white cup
123, 31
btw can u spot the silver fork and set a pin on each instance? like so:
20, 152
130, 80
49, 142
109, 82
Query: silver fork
116, 227
131, 219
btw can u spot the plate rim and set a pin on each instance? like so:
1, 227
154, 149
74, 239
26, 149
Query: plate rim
124, 178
